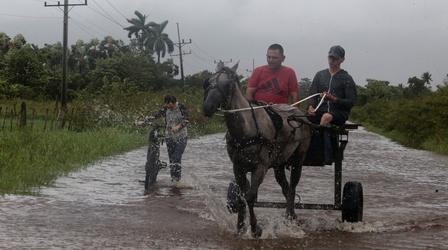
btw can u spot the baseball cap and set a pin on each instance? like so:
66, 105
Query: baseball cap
337, 52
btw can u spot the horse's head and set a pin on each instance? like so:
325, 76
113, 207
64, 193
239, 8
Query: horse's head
218, 88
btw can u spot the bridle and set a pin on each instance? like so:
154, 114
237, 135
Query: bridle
210, 85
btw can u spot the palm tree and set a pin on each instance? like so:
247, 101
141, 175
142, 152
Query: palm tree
427, 78
159, 41
140, 29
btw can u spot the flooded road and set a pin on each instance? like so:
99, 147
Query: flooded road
102, 206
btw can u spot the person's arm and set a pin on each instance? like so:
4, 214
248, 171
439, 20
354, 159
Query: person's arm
184, 122
252, 85
293, 87
350, 95
250, 93
159, 113
313, 90
294, 97
186, 118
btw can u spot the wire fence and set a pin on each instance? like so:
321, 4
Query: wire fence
13, 117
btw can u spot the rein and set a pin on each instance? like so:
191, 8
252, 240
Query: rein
269, 105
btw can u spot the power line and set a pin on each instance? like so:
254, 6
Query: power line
180, 44
200, 64
63, 110
36, 17
199, 57
98, 29
203, 51
81, 26
105, 14
116, 9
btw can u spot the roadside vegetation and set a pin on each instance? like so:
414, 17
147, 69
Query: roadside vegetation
111, 83
413, 115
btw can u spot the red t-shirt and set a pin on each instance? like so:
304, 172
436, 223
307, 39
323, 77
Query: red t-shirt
273, 86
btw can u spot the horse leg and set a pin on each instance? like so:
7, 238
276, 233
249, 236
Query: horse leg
243, 184
296, 172
280, 177
251, 196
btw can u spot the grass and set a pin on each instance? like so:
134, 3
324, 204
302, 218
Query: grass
438, 145
30, 158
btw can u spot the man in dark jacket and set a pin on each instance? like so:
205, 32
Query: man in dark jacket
339, 90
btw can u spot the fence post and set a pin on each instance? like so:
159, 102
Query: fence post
70, 118
46, 119
22, 118
12, 119
4, 118
33, 118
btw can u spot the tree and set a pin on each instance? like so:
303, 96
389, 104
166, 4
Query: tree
18, 42
427, 78
158, 41
139, 71
417, 87
109, 46
51, 54
23, 67
78, 60
304, 87
140, 30
4, 43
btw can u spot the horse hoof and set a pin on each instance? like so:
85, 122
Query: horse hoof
291, 216
257, 232
241, 230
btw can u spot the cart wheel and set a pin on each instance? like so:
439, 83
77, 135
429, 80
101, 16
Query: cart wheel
352, 202
233, 193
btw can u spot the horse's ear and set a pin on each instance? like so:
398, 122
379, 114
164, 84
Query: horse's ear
235, 67
219, 66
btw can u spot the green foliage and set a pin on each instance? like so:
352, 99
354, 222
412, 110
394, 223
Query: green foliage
419, 122
197, 80
304, 87
136, 70
27, 71
23, 67
29, 159
417, 86
378, 90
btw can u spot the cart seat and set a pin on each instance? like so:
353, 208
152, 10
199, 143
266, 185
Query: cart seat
327, 143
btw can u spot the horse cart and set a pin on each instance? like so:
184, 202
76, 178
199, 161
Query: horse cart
326, 148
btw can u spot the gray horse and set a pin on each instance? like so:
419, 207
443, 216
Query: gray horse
254, 144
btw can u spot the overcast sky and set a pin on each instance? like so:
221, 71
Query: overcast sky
383, 39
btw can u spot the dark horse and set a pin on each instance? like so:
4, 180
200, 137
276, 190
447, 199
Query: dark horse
255, 145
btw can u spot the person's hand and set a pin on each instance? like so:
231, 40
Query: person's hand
311, 111
328, 96
139, 123
176, 128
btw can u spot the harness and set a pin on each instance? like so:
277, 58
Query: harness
258, 139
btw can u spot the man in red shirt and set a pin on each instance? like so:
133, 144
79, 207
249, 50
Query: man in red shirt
273, 83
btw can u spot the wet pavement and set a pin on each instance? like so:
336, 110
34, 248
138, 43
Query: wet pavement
103, 206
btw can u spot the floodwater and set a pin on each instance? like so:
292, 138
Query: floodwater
103, 206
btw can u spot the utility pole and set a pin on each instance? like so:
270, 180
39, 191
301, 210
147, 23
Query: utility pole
253, 67
180, 44
221, 61
63, 110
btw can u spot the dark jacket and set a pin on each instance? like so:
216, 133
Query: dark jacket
340, 85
